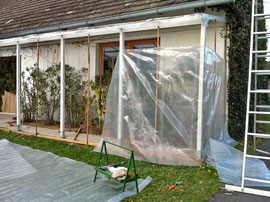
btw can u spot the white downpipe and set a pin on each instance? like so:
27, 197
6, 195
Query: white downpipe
18, 86
121, 68
200, 93
62, 99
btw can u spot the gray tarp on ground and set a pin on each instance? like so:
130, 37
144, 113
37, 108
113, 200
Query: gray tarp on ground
229, 163
28, 174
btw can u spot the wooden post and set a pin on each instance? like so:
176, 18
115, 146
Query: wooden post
37, 85
157, 78
88, 92
77, 134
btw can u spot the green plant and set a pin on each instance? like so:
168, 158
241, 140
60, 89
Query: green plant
28, 94
238, 16
7, 76
49, 92
101, 93
75, 98
239, 19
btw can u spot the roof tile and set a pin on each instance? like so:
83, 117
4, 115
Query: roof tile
18, 15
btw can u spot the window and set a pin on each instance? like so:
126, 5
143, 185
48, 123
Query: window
108, 52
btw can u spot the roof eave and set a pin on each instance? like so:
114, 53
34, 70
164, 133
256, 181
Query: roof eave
110, 19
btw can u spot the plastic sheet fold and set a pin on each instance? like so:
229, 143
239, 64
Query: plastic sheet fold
28, 174
229, 163
181, 90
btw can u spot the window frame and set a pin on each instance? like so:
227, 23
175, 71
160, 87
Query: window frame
128, 44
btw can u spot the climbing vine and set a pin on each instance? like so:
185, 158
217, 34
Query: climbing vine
239, 20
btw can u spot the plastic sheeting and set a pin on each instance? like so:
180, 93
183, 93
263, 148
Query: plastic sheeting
177, 139
28, 174
229, 163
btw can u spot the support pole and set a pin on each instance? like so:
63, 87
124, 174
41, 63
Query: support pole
121, 69
215, 37
256, 79
62, 83
248, 95
88, 92
200, 92
226, 71
37, 86
18, 86
157, 78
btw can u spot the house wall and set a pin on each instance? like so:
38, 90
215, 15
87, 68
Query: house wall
76, 49
76, 52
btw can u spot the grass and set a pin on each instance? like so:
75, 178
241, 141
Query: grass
199, 183
261, 128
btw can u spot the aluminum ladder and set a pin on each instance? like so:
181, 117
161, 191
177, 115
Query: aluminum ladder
254, 72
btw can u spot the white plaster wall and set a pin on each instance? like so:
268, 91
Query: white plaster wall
76, 52
192, 38
76, 55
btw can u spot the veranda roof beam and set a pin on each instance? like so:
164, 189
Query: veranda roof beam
150, 24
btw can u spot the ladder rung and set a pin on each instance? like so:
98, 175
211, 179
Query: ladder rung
262, 15
263, 18
264, 122
263, 37
261, 72
262, 56
260, 91
258, 157
259, 135
256, 112
261, 51
259, 33
263, 106
261, 151
257, 180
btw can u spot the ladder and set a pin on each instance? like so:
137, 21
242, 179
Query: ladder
258, 110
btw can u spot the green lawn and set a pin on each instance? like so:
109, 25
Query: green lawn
199, 183
261, 128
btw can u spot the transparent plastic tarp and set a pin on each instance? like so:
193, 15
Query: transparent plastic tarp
28, 174
130, 111
229, 163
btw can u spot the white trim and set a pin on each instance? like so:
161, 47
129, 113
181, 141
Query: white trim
120, 88
248, 96
247, 190
200, 92
18, 86
62, 86
6, 113
150, 24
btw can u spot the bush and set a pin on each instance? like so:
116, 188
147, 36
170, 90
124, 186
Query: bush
238, 20
28, 94
76, 96
49, 94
